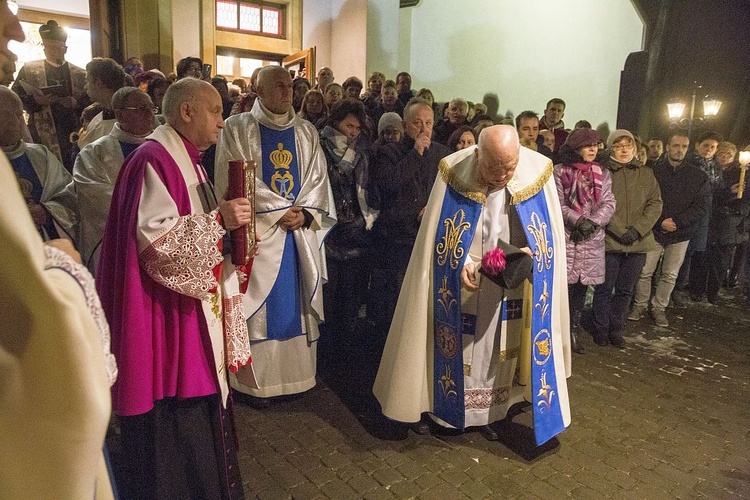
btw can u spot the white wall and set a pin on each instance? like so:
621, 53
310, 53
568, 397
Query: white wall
338, 30
316, 30
383, 37
348, 39
72, 7
186, 24
524, 51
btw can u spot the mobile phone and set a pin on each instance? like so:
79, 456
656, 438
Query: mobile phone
207, 71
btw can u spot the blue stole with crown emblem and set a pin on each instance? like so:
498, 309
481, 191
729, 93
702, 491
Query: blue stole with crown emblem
281, 175
458, 219
548, 420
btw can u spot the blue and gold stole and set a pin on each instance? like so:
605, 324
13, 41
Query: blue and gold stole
548, 421
458, 220
281, 175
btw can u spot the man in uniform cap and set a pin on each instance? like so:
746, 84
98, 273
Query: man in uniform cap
52, 91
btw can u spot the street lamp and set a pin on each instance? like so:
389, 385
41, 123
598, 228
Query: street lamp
676, 108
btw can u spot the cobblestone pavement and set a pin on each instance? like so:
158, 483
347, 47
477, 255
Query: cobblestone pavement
666, 417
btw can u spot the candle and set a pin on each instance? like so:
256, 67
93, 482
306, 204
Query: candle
744, 160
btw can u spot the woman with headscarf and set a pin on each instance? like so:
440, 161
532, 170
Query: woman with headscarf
587, 202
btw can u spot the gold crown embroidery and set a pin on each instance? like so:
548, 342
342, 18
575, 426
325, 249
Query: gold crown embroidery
281, 158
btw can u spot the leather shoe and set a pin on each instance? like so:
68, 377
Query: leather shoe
258, 403
422, 428
601, 341
488, 433
616, 339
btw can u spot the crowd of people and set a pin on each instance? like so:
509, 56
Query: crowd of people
374, 206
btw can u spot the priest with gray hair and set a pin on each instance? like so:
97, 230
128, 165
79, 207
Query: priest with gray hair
294, 210
98, 165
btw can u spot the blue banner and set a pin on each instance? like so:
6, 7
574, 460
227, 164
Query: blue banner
548, 421
281, 174
458, 219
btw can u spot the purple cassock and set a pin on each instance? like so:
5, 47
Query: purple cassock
159, 336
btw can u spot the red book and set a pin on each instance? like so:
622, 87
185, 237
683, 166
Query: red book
242, 185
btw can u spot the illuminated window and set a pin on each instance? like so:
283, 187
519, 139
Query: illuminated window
233, 63
224, 65
226, 14
261, 18
79, 46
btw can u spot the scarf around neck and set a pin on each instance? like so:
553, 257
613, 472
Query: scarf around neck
337, 144
582, 183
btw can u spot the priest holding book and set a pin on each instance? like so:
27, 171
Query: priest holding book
490, 328
53, 93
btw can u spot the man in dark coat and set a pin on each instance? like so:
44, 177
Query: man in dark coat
686, 196
401, 180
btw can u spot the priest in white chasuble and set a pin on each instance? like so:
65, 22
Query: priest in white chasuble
45, 184
98, 164
465, 345
294, 209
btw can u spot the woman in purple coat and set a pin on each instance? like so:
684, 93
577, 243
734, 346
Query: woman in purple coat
587, 202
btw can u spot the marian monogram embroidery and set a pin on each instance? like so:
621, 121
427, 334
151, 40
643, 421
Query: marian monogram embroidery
543, 249
449, 249
282, 181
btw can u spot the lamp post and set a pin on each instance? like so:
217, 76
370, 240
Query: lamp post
676, 108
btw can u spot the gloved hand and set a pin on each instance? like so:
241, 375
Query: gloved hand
576, 236
586, 227
629, 237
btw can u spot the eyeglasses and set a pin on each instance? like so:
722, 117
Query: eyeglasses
622, 147
142, 109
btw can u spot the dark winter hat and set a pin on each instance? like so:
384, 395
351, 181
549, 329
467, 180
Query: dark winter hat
582, 137
53, 31
618, 134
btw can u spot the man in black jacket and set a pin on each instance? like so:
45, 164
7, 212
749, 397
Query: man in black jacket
401, 180
686, 196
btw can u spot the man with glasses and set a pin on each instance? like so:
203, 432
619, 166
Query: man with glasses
98, 165
190, 67
52, 92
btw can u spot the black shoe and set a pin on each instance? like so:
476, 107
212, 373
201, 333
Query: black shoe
600, 341
678, 299
252, 401
422, 428
616, 339
488, 433
575, 344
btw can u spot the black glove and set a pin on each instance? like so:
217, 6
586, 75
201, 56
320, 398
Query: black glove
629, 237
586, 227
576, 236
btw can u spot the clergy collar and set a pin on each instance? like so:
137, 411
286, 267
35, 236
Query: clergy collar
13, 152
268, 117
54, 64
118, 133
